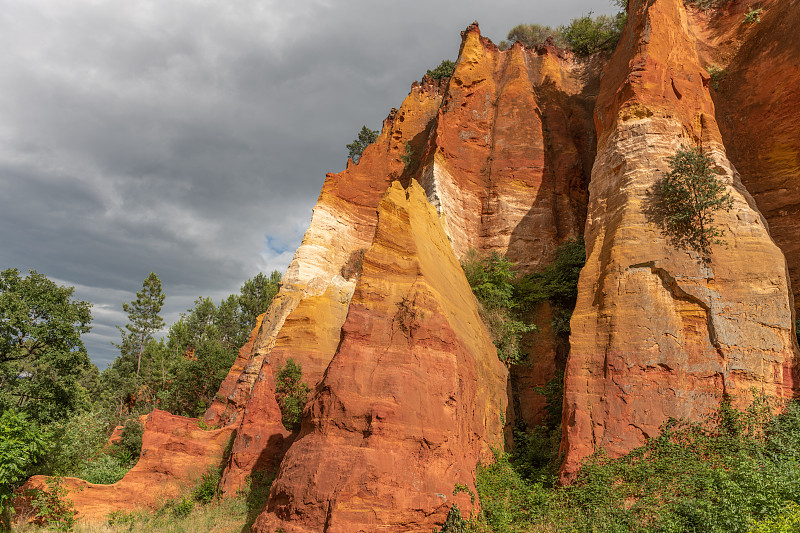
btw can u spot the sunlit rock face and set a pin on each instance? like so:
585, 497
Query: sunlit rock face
656, 333
413, 398
503, 149
758, 101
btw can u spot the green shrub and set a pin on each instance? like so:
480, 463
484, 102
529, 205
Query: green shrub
557, 283
208, 488
291, 393
182, 507
52, 507
130, 444
753, 15
734, 472
105, 469
22, 446
492, 282
587, 35
717, 74
408, 157
444, 70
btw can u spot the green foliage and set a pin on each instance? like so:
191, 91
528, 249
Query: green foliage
105, 469
753, 15
492, 281
444, 70
208, 489
365, 137
22, 446
42, 358
130, 443
408, 157
558, 282
788, 521
717, 74
689, 196
143, 318
735, 472
255, 297
587, 35
454, 523
707, 4
77, 441
52, 507
291, 393
532, 35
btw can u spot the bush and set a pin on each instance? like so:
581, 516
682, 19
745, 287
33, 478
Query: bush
444, 70
753, 15
130, 444
408, 157
587, 35
492, 282
735, 471
689, 197
291, 394
557, 283
105, 469
717, 74
51, 506
208, 488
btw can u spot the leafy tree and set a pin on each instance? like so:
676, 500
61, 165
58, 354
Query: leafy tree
291, 393
587, 35
22, 445
690, 195
365, 137
42, 357
143, 317
197, 378
444, 70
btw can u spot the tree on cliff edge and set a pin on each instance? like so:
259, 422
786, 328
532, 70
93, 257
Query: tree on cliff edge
365, 137
690, 195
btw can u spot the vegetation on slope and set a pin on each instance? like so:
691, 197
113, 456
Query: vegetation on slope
737, 471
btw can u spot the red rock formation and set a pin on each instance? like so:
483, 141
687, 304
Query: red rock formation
412, 399
508, 160
656, 333
175, 453
758, 103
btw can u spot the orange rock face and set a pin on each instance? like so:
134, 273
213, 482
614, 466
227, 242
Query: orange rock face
508, 160
175, 453
656, 333
517, 185
758, 103
413, 398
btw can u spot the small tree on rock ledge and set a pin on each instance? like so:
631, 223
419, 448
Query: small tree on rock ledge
690, 195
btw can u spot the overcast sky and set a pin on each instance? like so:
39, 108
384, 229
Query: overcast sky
191, 137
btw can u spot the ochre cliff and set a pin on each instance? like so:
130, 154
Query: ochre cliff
656, 332
411, 401
758, 102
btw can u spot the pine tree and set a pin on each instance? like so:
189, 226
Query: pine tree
143, 317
